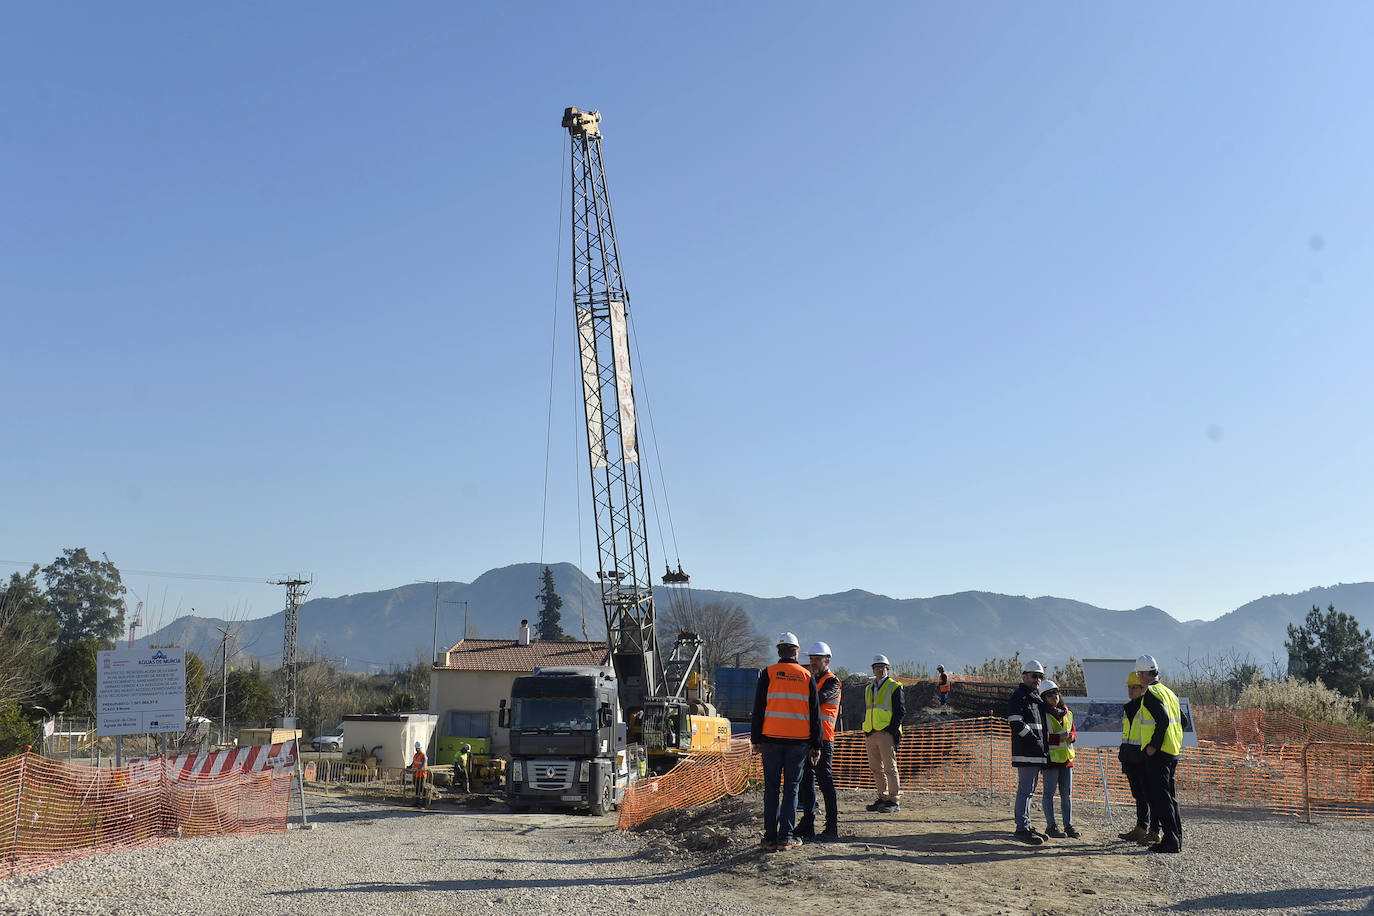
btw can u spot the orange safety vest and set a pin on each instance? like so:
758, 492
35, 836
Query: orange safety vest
944, 682
787, 710
417, 764
829, 711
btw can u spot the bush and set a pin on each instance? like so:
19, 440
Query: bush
16, 732
1310, 701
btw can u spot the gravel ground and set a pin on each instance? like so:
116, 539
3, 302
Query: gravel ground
942, 855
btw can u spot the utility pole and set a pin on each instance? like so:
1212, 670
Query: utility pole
224, 684
296, 587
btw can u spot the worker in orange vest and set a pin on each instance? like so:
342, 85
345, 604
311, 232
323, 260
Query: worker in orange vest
820, 772
944, 687
419, 771
784, 731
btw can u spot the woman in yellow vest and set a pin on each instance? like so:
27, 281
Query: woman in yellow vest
1059, 771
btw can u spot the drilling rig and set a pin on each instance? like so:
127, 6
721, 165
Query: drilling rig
642, 705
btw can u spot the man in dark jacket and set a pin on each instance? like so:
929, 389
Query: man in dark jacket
785, 729
1029, 747
820, 772
1146, 829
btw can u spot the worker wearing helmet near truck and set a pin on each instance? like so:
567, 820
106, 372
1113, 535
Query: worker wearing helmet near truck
785, 729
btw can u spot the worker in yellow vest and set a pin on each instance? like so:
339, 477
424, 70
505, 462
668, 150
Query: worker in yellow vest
1146, 829
1058, 772
883, 714
784, 731
1159, 728
820, 773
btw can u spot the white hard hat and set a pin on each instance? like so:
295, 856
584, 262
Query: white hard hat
881, 660
1032, 667
818, 648
417, 745
788, 639
1146, 663
1048, 686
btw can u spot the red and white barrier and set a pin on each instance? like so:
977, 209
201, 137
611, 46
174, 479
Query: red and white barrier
280, 759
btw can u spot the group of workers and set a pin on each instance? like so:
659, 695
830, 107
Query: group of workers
796, 708
420, 775
1042, 742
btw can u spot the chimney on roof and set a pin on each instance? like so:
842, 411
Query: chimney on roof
524, 632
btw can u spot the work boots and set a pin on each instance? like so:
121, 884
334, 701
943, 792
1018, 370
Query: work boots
1150, 839
1134, 835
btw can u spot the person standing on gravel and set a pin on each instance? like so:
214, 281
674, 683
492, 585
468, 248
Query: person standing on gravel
820, 772
1029, 750
784, 731
1146, 829
883, 714
1160, 728
1059, 771
944, 687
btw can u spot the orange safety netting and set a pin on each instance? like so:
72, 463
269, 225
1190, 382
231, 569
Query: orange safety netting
974, 755
52, 812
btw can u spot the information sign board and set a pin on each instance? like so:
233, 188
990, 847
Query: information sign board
140, 691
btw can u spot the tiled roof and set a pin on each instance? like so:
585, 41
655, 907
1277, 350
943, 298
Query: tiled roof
509, 655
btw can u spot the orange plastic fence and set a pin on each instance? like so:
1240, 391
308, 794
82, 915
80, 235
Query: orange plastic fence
52, 812
974, 755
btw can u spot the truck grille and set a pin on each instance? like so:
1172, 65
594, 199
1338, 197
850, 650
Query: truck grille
550, 775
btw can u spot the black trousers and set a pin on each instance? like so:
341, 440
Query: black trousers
1135, 776
1159, 785
823, 775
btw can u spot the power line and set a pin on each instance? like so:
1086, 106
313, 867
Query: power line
202, 577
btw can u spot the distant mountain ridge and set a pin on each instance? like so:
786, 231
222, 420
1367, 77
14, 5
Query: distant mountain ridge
395, 627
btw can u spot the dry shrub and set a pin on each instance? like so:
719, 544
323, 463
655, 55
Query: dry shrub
1310, 701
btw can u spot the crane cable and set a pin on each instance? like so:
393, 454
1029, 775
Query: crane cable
548, 421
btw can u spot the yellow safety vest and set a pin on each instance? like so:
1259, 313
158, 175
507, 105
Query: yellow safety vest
1061, 753
878, 712
1143, 726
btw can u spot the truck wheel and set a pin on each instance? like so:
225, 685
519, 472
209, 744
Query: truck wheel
603, 805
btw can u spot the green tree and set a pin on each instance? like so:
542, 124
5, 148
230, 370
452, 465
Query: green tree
550, 620
72, 675
85, 596
1331, 648
197, 685
249, 699
16, 732
27, 632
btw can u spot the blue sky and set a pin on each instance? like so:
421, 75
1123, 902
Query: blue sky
1066, 299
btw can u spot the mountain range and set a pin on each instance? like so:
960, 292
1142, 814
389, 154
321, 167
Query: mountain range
396, 627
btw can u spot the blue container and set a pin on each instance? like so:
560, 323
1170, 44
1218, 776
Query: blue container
735, 692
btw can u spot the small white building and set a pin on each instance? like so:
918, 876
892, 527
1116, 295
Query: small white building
475, 675
389, 738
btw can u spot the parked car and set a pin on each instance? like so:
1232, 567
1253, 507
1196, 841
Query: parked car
332, 741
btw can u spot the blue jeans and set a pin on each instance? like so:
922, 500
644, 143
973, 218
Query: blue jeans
1061, 779
822, 775
1026, 779
782, 763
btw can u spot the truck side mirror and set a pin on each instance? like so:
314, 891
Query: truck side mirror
502, 716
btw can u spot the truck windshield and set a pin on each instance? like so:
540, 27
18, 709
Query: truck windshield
553, 714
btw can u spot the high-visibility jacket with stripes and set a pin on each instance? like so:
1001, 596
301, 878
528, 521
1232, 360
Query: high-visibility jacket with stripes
787, 709
878, 705
1143, 725
944, 682
830, 712
1061, 738
419, 764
